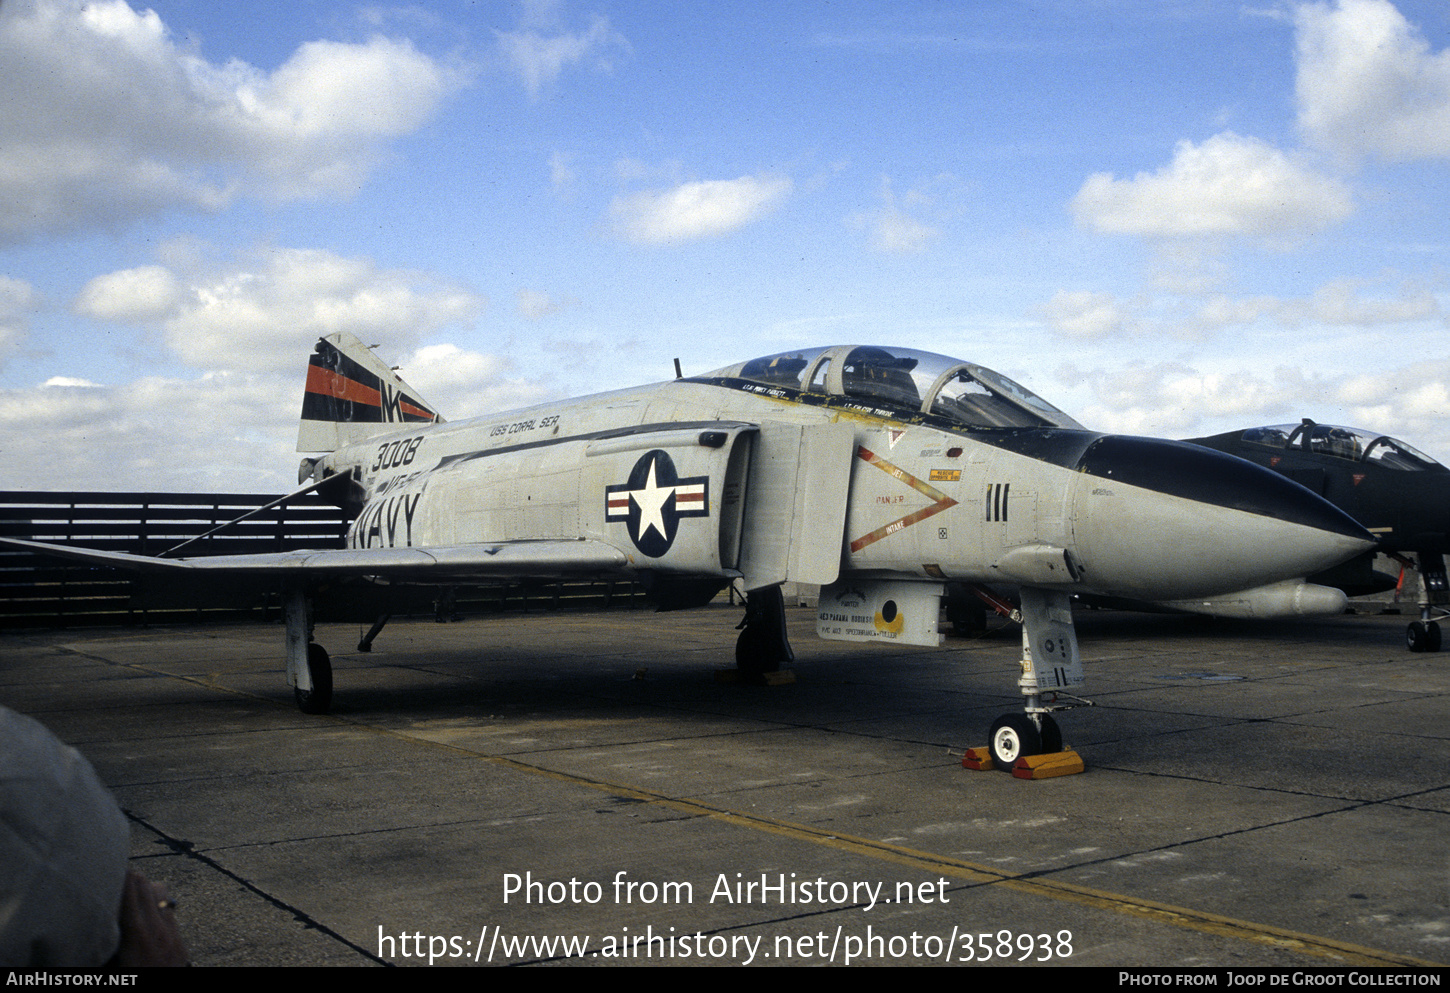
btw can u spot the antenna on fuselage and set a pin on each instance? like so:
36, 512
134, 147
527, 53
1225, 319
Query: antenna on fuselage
678, 373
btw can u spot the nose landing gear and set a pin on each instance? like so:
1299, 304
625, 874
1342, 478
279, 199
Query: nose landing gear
1050, 665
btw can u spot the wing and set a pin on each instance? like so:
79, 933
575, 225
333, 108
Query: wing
443, 564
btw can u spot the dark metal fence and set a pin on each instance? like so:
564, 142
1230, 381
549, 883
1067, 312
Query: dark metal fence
40, 591
37, 591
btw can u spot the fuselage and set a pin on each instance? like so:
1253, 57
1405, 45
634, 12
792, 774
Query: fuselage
678, 466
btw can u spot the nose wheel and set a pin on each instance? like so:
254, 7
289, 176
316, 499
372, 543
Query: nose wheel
1016, 735
1051, 670
1424, 635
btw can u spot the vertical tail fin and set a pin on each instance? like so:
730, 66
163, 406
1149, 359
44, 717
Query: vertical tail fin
352, 396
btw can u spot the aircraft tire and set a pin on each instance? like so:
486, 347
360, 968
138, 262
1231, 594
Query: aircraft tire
1417, 639
756, 653
968, 620
1013, 736
1432, 634
1051, 736
763, 643
319, 699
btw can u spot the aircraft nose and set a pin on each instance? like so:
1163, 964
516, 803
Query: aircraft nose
1222, 524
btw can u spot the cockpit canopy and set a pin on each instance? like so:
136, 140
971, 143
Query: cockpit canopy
1352, 444
905, 379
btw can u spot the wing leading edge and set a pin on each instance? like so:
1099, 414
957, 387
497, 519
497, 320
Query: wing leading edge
502, 560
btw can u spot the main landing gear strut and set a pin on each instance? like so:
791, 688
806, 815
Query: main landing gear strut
763, 646
309, 670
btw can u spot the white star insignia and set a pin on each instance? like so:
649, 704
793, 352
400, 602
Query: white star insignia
651, 503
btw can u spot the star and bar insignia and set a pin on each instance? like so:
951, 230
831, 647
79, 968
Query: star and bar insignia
654, 500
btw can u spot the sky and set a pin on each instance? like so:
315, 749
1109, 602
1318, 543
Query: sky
1170, 218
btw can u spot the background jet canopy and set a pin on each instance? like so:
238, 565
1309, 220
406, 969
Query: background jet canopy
1354, 444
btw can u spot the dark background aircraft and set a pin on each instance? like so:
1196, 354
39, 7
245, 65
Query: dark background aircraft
1399, 494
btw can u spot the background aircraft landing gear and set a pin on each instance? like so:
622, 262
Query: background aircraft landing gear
763, 645
1423, 636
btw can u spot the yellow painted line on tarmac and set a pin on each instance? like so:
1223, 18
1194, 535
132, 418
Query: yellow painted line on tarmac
1339, 952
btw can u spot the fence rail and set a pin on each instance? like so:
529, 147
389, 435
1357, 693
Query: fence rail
37, 591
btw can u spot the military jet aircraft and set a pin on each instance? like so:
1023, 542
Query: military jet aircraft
880, 474
1401, 495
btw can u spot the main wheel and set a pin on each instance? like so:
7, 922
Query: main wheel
763, 644
1013, 736
319, 699
967, 619
1417, 639
756, 652
1432, 637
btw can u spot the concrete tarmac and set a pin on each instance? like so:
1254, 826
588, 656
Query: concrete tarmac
524, 789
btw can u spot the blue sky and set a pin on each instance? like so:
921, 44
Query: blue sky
1167, 218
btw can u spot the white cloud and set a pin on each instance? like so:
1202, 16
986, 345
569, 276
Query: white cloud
314, 127
1087, 314
146, 293
702, 209
897, 227
1179, 399
1343, 302
250, 325
893, 229
219, 432
448, 366
1173, 399
265, 313
1354, 304
541, 50
1228, 185
254, 319
17, 300
462, 383
561, 175
1368, 83
118, 121
1349, 303
534, 305
898, 233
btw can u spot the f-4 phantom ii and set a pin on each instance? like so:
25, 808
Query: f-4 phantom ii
1401, 495
880, 474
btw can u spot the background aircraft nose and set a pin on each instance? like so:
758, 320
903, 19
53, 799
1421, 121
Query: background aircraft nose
1222, 524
